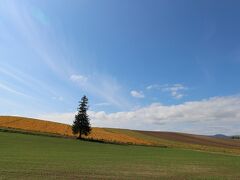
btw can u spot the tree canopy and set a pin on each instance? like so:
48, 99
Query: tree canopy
81, 124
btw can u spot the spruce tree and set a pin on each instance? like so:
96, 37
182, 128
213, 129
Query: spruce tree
81, 124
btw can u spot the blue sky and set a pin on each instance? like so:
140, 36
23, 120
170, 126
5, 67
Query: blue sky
155, 65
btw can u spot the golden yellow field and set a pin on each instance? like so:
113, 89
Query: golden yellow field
36, 125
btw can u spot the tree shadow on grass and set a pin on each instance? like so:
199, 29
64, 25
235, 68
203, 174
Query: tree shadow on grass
117, 142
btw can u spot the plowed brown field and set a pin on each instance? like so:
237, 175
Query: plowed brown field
195, 139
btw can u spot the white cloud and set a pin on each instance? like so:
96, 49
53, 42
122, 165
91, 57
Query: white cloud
78, 78
66, 118
177, 91
208, 116
204, 116
137, 94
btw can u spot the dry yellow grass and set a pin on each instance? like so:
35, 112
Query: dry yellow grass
30, 124
101, 133
35, 125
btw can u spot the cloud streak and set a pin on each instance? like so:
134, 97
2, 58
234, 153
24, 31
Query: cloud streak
11, 90
177, 91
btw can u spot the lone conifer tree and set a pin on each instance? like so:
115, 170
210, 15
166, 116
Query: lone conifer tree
81, 124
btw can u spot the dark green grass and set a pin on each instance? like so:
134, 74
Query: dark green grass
24, 156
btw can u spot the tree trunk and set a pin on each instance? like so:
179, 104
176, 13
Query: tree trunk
80, 135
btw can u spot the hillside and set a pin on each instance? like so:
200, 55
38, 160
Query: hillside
169, 139
36, 125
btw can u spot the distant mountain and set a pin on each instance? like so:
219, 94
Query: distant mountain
223, 136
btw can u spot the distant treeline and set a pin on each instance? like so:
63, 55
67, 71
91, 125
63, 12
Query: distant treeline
235, 137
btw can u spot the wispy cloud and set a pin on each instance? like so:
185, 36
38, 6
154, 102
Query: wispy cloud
35, 30
154, 86
78, 78
137, 94
102, 104
59, 98
104, 87
177, 91
27, 80
11, 90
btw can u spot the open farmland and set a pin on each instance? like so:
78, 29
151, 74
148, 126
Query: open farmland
169, 139
36, 125
40, 157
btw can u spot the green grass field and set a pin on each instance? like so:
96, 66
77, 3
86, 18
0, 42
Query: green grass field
25, 156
